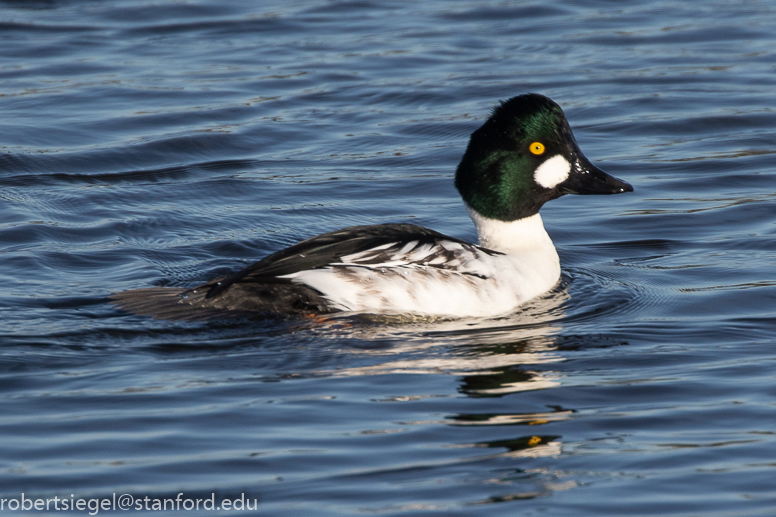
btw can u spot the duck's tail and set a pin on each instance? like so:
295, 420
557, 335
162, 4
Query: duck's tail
243, 300
167, 303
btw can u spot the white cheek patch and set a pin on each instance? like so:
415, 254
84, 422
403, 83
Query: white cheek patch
552, 171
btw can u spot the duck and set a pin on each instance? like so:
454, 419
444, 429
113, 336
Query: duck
523, 156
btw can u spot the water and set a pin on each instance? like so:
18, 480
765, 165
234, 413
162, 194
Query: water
165, 143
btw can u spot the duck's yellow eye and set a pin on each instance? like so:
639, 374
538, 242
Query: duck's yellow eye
537, 148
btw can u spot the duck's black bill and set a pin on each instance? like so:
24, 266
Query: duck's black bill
586, 178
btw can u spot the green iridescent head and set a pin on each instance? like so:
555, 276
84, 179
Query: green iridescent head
523, 156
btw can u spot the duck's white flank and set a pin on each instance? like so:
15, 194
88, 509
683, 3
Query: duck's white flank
446, 278
552, 171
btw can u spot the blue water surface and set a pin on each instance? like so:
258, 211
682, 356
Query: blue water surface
163, 143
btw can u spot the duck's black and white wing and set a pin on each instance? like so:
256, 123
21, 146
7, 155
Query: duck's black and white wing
375, 268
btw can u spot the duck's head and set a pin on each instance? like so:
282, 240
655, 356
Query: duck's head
523, 156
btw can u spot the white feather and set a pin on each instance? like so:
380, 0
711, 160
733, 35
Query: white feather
552, 172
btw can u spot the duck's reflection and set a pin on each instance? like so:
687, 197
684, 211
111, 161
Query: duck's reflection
533, 446
473, 419
496, 362
507, 380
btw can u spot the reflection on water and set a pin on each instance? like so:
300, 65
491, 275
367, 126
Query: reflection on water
491, 358
526, 446
511, 419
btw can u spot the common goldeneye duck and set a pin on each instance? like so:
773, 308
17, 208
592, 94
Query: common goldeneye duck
523, 156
